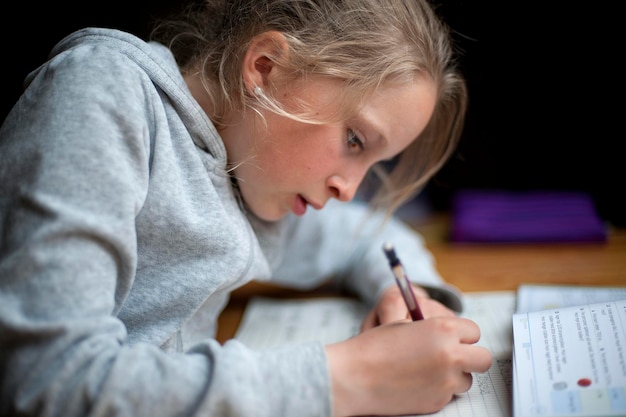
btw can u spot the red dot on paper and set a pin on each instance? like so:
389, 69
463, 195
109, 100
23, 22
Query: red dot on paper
584, 382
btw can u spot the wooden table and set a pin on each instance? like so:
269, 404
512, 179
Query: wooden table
482, 267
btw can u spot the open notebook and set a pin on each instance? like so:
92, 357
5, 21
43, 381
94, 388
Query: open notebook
269, 322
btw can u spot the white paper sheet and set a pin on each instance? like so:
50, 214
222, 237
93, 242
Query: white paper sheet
269, 322
535, 297
571, 361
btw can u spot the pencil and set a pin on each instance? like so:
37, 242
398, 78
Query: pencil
403, 282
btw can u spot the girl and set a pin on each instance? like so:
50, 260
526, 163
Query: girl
141, 182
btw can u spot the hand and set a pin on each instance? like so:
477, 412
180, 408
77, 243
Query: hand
405, 367
391, 307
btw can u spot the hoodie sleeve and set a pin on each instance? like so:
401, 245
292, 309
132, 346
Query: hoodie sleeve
74, 173
344, 241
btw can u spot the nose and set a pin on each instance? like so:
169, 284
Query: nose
343, 189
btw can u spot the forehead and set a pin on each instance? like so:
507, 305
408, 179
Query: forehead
400, 111
332, 100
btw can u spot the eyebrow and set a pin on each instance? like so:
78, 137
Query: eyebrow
379, 138
380, 141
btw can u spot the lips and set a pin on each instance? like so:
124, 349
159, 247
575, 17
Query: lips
299, 205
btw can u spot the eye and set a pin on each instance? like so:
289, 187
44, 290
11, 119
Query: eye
354, 141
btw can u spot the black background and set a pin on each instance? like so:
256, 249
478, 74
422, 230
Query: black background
545, 82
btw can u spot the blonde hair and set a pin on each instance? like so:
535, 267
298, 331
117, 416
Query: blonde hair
364, 43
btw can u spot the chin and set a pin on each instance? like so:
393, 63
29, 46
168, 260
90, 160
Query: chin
272, 218
269, 215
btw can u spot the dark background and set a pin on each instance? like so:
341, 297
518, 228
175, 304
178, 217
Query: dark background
544, 80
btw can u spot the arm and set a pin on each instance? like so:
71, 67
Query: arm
74, 175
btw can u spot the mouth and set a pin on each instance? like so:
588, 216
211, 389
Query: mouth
299, 205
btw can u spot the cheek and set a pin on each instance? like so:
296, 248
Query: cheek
303, 166
305, 148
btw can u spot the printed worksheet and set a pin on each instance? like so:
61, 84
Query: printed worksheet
571, 361
270, 322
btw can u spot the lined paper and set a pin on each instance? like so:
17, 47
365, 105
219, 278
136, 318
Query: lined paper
270, 322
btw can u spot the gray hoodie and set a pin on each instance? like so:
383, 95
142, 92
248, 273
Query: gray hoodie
121, 238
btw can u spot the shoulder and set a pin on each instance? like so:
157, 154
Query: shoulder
107, 59
106, 69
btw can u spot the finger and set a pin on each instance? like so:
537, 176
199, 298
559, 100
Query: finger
469, 332
391, 306
419, 291
477, 359
391, 312
465, 383
371, 320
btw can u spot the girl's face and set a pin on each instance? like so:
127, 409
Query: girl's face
285, 166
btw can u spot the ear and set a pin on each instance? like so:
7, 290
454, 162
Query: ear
259, 62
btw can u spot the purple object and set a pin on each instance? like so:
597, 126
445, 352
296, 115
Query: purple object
525, 216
